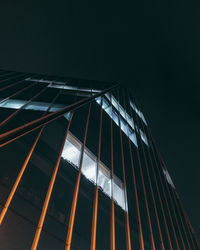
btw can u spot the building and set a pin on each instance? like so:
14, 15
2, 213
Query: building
80, 169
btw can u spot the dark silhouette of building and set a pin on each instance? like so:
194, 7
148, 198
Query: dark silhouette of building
80, 169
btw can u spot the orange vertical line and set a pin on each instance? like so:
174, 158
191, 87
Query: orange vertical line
14, 188
151, 189
112, 218
141, 240
76, 190
94, 221
48, 195
137, 202
159, 197
95, 206
169, 213
128, 239
183, 226
145, 196
186, 220
172, 205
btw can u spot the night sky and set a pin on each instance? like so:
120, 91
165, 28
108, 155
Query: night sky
154, 49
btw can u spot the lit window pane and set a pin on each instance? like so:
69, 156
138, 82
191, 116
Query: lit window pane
105, 104
133, 138
14, 104
144, 138
104, 181
71, 152
115, 117
124, 127
168, 177
89, 166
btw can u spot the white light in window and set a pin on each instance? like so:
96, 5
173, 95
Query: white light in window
104, 181
71, 153
144, 138
13, 104
168, 177
89, 167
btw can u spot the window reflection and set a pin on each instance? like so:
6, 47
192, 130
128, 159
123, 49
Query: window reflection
89, 166
72, 152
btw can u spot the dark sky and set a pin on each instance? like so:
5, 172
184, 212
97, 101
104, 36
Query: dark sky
154, 48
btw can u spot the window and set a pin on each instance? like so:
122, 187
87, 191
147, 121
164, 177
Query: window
89, 166
118, 192
168, 177
72, 153
144, 138
104, 180
72, 150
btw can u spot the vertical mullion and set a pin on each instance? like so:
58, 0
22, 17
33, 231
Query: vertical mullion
76, 190
191, 230
141, 240
159, 196
95, 205
158, 170
150, 185
144, 191
112, 218
128, 239
19, 177
49, 192
179, 213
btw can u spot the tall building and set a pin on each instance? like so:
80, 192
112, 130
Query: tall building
80, 170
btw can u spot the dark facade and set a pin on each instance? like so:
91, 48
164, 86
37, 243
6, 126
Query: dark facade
80, 169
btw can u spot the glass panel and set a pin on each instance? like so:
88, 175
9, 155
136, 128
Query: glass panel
144, 138
89, 166
133, 138
104, 181
115, 117
71, 152
118, 192
168, 177
13, 104
124, 127
105, 104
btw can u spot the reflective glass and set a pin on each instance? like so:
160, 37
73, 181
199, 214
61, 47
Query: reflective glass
115, 117
118, 193
71, 153
13, 104
144, 138
104, 181
89, 166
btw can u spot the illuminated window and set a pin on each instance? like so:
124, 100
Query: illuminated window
122, 115
118, 192
89, 166
168, 177
104, 180
72, 152
138, 112
144, 138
